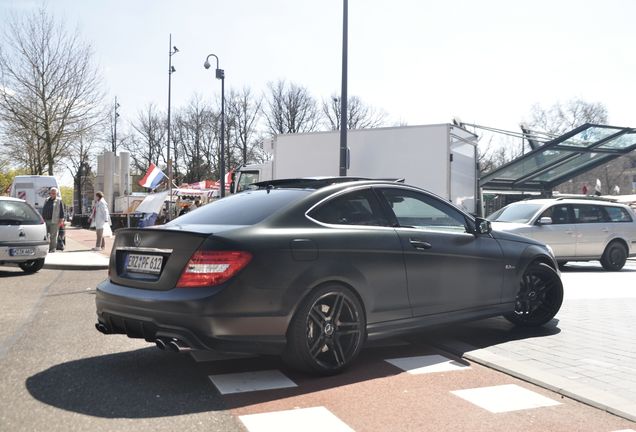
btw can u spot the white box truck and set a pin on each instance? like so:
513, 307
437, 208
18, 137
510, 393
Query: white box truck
440, 158
34, 189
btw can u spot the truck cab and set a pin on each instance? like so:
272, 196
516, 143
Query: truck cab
248, 174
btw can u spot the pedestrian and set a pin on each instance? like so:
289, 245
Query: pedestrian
102, 218
185, 209
53, 214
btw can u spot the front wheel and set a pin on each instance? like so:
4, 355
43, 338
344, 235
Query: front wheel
32, 266
614, 257
327, 331
539, 298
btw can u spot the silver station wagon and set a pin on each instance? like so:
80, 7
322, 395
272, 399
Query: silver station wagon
575, 229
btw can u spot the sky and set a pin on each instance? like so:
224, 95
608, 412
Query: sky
423, 62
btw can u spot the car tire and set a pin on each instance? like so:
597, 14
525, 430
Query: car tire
614, 257
327, 331
32, 266
539, 298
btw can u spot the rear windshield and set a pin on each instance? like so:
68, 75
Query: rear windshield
516, 213
18, 213
245, 208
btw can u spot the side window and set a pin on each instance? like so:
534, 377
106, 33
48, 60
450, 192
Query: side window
617, 214
586, 213
354, 208
417, 210
559, 214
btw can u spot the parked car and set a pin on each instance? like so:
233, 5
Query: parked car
576, 229
23, 237
312, 268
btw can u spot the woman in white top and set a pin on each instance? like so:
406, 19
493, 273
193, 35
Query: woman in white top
101, 218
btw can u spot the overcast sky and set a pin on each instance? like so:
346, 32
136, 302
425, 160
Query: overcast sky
423, 62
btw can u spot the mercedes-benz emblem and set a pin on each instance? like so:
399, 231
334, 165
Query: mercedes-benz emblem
137, 239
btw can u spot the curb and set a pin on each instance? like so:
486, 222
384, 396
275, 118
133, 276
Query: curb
586, 394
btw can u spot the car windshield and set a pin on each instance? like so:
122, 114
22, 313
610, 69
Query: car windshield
245, 208
515, 213
18, 213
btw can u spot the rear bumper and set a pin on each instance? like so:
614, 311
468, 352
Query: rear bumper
190, 315
40, 251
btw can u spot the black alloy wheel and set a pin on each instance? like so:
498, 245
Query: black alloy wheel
614, 257
327, 332
539, 298
32, 266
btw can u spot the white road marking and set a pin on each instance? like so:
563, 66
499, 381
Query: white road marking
251, 381
316, 419
504, 398
427, 364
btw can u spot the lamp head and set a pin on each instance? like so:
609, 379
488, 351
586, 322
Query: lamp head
206, 64
174, 49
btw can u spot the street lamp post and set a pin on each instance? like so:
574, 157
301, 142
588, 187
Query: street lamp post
171, 51
115, 127
343, 96
220, 74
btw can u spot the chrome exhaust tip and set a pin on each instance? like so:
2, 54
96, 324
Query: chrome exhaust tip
161, 344
177, 346
102, 328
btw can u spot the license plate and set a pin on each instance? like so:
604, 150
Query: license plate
21, 251
144, 263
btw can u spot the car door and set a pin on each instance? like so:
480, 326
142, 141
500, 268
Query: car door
447, 268
357, 239
561, 234
592, 230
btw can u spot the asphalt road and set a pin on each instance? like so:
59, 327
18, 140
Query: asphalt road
60, 374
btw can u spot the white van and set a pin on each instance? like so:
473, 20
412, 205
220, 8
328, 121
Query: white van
34, 189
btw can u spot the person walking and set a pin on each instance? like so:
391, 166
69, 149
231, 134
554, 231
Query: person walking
53, 214
102, 217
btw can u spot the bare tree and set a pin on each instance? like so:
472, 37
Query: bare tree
359, 114
49, 90
561, 118
245, 110
193, 135
290, 109
146, 145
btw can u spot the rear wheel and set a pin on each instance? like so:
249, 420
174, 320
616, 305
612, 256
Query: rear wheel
539, 298
32, 266
327, 332
614, 257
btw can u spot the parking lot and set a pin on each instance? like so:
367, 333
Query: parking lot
60, 374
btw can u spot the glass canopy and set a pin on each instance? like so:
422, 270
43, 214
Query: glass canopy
563, 158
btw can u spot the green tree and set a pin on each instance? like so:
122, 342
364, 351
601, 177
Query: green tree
6, 178
67, 196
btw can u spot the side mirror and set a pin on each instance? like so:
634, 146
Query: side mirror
545, 220
482, 226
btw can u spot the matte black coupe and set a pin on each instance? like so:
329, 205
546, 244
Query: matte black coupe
312, 268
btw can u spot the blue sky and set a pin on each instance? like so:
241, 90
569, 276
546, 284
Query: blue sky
423, 62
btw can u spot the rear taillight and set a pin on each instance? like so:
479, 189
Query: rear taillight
208, 268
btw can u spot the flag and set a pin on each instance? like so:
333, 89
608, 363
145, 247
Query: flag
153, 177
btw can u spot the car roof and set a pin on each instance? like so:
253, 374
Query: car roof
591, 200
6, 198
318, 182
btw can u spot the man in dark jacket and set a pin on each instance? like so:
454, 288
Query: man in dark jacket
53, 214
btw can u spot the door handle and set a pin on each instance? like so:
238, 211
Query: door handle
421, 245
